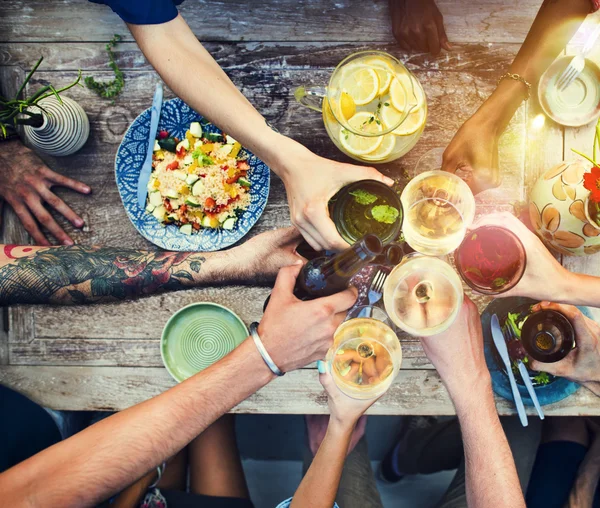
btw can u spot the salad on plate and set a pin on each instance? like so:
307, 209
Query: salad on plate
199, 182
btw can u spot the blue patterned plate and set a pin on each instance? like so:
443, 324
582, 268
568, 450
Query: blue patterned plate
176, 117
558, 390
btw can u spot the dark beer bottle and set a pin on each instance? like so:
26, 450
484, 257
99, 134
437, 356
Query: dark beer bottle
324, 276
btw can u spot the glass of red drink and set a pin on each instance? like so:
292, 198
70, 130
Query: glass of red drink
491, 260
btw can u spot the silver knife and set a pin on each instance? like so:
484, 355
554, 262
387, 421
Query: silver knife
142, 190
500, 343
530, 388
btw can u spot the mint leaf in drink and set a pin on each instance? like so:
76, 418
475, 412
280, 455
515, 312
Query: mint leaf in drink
499, 282
474, 271
385, 213
362, 197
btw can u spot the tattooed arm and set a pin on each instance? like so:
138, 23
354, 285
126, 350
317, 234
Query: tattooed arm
79, 275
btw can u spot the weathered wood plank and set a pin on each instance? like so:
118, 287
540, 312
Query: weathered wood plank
489, 21
299, 392
91, 57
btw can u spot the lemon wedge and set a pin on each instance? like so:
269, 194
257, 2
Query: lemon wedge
419, 96
361, 83
413, 122
383, 151
361, 145
348, 106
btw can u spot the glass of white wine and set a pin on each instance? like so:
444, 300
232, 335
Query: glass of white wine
438, 208
365, 357
423, 295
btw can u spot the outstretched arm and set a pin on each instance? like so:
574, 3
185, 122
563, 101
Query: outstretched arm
457, 354
106, 457
79, 275
474, 148
310, 180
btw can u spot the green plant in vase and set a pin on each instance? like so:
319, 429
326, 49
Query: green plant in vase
21, 111
52, 123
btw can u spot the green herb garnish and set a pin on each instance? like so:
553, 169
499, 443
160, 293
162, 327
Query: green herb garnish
385, 213
363, 197
511, 320
108, 89
542, 378
202, 158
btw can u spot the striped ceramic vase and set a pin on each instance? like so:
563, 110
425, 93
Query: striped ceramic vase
65, 129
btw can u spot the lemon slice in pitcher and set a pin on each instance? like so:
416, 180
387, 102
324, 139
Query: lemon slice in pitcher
390, 116
398, 95
414, 121
410, 84
361, 145
383, 151
361, 83
384, 71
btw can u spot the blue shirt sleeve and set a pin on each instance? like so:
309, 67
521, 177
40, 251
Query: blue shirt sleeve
143, 12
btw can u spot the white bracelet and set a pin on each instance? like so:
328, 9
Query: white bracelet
262, 350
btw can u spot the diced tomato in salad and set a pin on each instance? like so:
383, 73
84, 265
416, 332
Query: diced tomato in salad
210, 203
243, 165
163, 135
173, 165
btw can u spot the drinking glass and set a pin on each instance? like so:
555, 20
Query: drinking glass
423, 295
491, 260
374, 109
367, 207
438, 209
547, 336
365, 357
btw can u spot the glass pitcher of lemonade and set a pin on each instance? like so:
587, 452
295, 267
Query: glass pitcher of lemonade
374, 109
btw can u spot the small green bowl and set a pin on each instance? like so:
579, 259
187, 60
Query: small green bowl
197, 336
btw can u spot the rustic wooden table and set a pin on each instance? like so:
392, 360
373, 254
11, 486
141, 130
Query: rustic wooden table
106, 357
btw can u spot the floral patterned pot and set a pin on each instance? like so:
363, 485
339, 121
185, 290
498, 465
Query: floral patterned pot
558, 208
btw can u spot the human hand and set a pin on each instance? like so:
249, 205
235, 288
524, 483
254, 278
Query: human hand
536, 282
25, 184
344, 411
457, 354
582, 364
419, 25
296, 333
473, 154
261, 257
310, 182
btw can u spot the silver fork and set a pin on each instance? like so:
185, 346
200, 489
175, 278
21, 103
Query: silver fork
375, 291
577, 64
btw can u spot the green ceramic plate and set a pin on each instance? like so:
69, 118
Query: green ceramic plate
197, 336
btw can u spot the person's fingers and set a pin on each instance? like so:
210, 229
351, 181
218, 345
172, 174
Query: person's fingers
46, 220
29, 223
556, 369
328, 235
571, 312
286, 280
326, 381
339, 302
65, 181
444, 42
59, 205
433, 41
310, 239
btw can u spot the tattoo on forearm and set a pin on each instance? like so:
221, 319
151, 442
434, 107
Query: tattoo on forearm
77, 275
